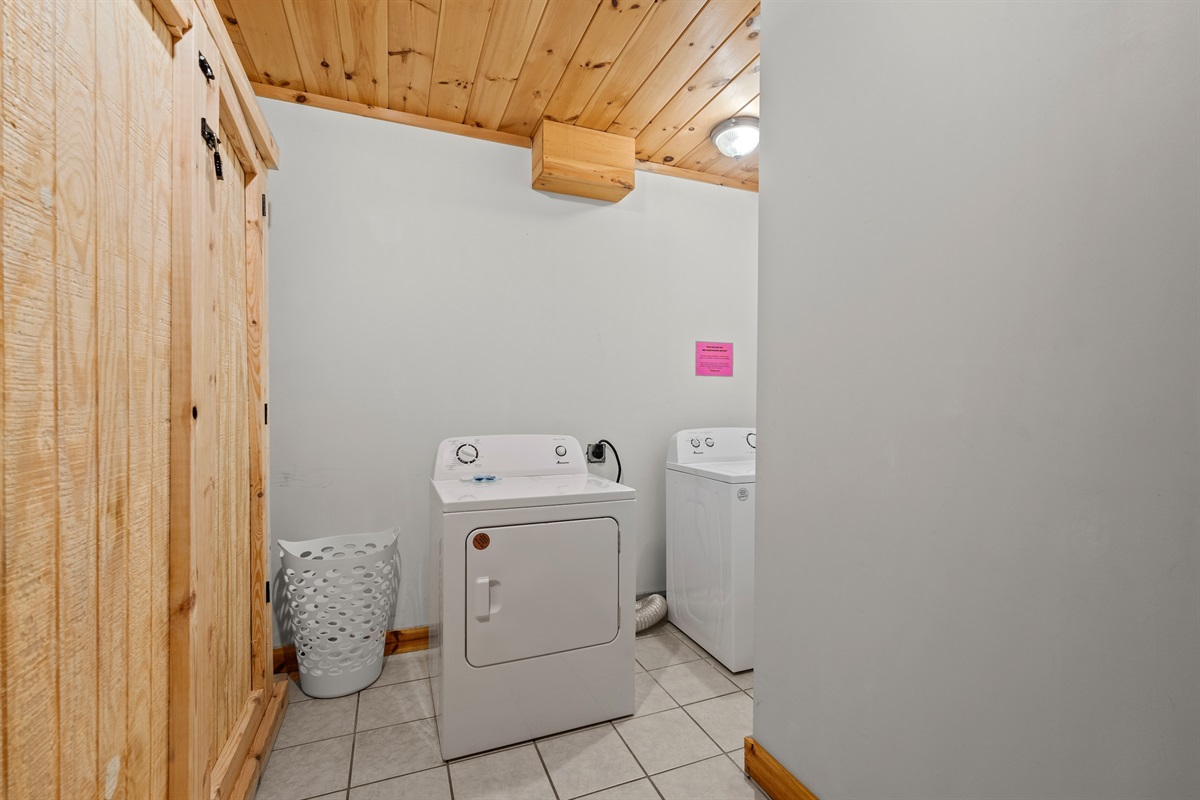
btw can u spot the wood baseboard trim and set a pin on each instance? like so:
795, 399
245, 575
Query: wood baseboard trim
771, 776
264, 741
406, 640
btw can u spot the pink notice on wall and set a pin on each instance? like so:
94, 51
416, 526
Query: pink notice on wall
714, 358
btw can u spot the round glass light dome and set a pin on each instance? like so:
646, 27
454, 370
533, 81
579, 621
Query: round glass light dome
736, 137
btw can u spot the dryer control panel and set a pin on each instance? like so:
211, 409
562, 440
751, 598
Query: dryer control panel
508, 456
712, 444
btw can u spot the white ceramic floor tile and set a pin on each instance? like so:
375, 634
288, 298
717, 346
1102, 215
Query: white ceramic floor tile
714, 779
750, 691
403, 667
294, 693
570, 732
308, 770
728, 720
483, 753
744, 680
691, 644
515, 774
738, 757
432, 784
315, 720
666, 740
637, 667
389, 752
588, 761
381, 706
332, 796
649, 697
692, 682
655, 630
662, 651
637, 790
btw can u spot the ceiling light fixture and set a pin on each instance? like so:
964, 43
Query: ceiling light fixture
736, 137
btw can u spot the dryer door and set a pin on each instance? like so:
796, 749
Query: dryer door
538, 589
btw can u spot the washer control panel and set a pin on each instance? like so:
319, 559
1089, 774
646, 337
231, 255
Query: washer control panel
467, 453
508, 455
712, 444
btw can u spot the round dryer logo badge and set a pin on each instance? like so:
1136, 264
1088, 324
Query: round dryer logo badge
481, 541
743, 494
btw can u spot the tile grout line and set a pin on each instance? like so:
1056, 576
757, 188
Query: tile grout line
353, 743
394, 724
714, 697
546, 770
372, 686
396, 777
720, 752
665, 771
636, 760
618, 786
355, 731
678, 704
696, 722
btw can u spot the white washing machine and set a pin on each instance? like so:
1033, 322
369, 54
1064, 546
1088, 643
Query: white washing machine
531, 591
710, 541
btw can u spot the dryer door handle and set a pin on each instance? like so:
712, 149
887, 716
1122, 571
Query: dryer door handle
483, 598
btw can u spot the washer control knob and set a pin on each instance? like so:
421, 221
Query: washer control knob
467, 453
560, 451
709, 442
695, 442
752, 440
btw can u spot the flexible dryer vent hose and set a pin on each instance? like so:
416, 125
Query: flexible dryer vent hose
650, 610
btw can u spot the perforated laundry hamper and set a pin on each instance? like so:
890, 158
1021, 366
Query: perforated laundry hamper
339, 596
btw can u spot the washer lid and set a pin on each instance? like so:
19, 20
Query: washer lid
528, 492
723, 471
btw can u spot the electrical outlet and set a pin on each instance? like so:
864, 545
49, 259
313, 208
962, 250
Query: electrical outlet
597, 453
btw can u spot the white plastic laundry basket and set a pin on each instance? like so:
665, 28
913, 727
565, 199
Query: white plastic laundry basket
339, 596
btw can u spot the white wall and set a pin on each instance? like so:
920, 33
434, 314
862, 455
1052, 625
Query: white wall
978, 569
420, 289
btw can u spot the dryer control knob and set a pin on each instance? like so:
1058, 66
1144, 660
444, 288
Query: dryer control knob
560, 451
695, 442
709, 442
467, 453
752, 440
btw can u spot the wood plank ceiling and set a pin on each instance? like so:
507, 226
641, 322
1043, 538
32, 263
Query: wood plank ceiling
661, 71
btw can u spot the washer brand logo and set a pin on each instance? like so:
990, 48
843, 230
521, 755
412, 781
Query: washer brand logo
743, 494
481, 541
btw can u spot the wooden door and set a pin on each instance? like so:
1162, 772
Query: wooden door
134, 630
224, 702
85, 306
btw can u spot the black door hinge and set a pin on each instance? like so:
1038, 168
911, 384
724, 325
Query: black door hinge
207, 69
264, 201
264, 414
217, 166
268, 591
207, 134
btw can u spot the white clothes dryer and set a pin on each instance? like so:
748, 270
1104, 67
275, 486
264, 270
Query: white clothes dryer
710, 540
531, 591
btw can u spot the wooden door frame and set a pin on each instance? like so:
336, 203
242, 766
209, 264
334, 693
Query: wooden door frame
194, 771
